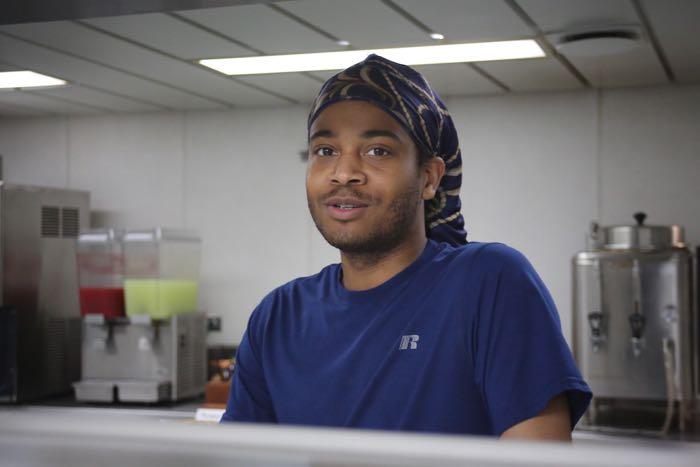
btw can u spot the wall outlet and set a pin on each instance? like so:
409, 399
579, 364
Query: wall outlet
213, 323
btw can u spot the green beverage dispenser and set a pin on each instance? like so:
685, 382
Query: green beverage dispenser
161, 272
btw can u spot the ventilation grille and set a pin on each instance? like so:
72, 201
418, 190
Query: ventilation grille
49, 221
191, 358
70, 222
55, 369
60, 222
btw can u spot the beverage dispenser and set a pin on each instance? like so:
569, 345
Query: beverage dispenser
157, 351
101, 272
162, 272
635, 325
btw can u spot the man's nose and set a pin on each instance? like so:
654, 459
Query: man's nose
348, 170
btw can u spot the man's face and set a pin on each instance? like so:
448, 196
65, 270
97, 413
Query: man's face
364, 185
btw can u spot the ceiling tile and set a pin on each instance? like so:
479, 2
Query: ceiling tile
101, 48
34, 101
293, 85
537, 74
171, 35
635, 68
263, 28
468, 20
6, 67
456, 79
365, 23
324, 75
566, 14
83, 95
676, 25
62, 66
449, 80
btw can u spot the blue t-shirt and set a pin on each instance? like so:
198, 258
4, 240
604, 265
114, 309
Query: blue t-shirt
464, 340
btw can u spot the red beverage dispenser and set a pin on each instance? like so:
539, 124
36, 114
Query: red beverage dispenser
101, 272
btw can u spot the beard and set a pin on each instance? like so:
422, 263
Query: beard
383, 235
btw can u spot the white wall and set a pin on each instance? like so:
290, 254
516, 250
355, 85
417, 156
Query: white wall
537, 169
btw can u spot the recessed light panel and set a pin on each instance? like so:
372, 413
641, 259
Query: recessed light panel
426, 55
26, 79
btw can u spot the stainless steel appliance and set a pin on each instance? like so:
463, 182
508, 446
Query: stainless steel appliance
38, 283
635, 337
140, 359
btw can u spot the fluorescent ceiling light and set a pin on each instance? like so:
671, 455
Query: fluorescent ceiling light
437, 36
26, 79
426, 55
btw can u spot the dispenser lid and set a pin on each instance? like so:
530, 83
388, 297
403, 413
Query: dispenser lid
100, 235
641, 236
161, 234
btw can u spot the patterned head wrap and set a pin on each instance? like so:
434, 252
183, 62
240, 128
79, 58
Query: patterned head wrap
405, 95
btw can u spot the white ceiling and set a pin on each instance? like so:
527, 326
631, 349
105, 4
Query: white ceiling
147, 62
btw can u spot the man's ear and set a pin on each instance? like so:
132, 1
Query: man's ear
433, 170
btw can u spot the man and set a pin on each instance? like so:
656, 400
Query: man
415, 329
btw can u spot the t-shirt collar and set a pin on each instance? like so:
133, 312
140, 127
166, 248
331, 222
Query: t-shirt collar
387, 287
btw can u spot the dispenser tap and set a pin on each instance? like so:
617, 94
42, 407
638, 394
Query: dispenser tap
637, 323
595, 321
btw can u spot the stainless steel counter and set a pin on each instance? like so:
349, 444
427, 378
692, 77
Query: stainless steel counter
108, 437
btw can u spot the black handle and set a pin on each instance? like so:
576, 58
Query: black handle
595, 320
637, 323
639, 217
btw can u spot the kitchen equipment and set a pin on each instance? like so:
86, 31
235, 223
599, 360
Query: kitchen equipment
635, 337
141, 359
162, 272
101, 272
158, 351
8, 352
38, 228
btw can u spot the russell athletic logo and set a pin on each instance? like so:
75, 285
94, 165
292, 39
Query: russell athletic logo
409, 342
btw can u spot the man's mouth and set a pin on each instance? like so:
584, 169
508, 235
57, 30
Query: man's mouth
345, 202
345, 209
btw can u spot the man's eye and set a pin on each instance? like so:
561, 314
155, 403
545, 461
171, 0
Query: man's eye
323, 151
378, 152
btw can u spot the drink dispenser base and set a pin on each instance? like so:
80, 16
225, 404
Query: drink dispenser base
140, 359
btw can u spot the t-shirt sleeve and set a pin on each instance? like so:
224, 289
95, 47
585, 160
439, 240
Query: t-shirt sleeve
249, 399
522, 359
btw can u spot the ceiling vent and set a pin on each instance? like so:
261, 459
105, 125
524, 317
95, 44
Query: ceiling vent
597, 41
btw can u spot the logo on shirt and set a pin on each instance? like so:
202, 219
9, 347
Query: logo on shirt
409, 342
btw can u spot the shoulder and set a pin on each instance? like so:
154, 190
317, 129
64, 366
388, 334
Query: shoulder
296, 290
486, 257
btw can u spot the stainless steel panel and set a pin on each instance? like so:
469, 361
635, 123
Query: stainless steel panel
190, 370
2, 224
656, 288
643, 237
8, 354
138, 350
40, 281
122, 350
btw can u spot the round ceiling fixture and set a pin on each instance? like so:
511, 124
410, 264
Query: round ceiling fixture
598, 42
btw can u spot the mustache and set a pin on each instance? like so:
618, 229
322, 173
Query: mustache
344, 192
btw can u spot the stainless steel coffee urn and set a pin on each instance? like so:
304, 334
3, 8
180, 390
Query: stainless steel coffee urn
635, 326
